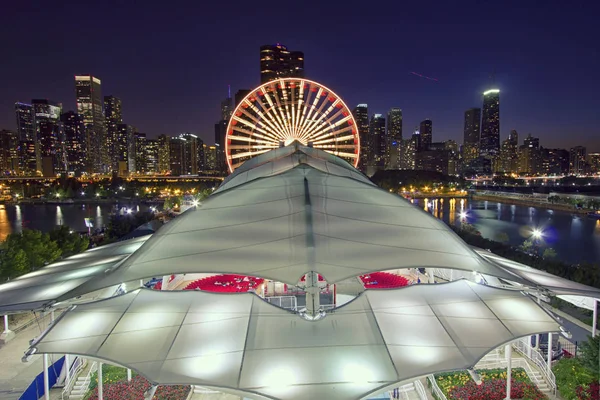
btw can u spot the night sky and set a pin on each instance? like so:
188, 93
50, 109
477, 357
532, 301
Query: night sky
171, 63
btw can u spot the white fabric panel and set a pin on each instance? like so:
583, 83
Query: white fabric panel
241, 343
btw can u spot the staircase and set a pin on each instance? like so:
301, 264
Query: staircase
540, 382
82, 383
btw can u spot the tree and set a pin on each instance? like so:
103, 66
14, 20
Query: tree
469, 229
549, 253
527, 246
502, 237
27, 251
69, 243
13, 262
589, 354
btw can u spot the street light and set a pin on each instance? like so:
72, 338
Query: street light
537, 234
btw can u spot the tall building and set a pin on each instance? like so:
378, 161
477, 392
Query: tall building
593, 159
490, 124
210, 157
530, 160
555, 162
377, 135
227, 108
164, 164
509, 154
25, 121
140, 153
394, 138
239, 96
416, 138
276, 61
175, 155
74, 134
408, 149
113, 113
8, 152
47, 138
432, 160
152, 149
471, 135
361, 115
220, 134
190, 151
452, 149
27, 158
426, 132
577, 157
125, 149
88, 94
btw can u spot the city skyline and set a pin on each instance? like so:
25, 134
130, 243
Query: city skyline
184, 94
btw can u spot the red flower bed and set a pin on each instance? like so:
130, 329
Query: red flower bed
228, 283
495, 389
383, 280
135, 389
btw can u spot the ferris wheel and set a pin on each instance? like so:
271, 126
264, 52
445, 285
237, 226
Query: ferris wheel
282, 111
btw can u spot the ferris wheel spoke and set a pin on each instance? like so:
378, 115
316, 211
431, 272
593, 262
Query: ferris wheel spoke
252, 140
275, 131
342, 154
334, 139
255, 134
248, 153
267, 115
272, 112
280, 110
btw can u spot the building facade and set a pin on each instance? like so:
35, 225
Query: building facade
394, 138
471, 135
164, 163
426, 132
9, 164
376, 161
140, 153
577, 160
276, 61
530, 160
408, 150
490, 124
113, 112
88, 96
151, 149
47, 138
555, 162
361, 115
25, 121
74, 134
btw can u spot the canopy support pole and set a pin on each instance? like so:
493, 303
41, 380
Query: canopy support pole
429, 272
128, 375
594, 318
165, 282
7, 335
508, 353
46, 378
313, 300
549, 351
149, 394
100, 383
68, 370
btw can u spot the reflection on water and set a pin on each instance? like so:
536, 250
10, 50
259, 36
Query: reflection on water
5, 228
575, 238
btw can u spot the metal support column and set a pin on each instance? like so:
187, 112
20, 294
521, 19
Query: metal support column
594, 318
100, 383
68, 369
549, 351
128, 375
46, 379
508, 353
313, 297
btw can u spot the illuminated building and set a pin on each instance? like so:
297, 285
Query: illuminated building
394, 138
47, 135
471, 135
163, 154
175, 155
508, 161
361, 115
140, 153
8, 152
227, 107
125, 147
151, 149
113, 111
25, 121
88, 93
220, 133
577, 160
27, 158
74, 134
426, 132
276, 61
555, 161
408, 149
490, 124
377, 137
432, 160
593, 159
530, 156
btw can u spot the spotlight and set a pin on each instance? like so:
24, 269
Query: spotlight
463, 214
537, 234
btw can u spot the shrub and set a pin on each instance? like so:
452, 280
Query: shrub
571, 374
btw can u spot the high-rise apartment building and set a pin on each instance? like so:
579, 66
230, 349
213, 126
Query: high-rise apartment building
508, 161
125, 149
175, 155
408, 149
227, 108
113, 113
88, 95
48, 136
140, 153
593, 160
555, 162
394, 138
220, 134
530, 161
164, 164
25, 121
471, 135
577, 160
74, 134
377, 134
8, 152
151, 156
426, 132
210, 158
361, 115
190, 151
490, 124
276, 61
27, 158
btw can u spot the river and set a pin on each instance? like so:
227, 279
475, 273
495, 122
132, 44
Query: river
574, 238
13, 218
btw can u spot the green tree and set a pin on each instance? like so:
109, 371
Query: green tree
527, 246
13, 262
589, 354
570, 373
549, 253
502, 237
469, 229
37, 247
69, 243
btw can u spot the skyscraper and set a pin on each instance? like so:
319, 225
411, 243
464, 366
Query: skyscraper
125, 149
490, 124
377, 135
163, 154
394, 138
175, 153
88, 94
210, 158
8, 152
408, 150
577, 160
140, 153
47, 139
113, 112
227, 108
361, 115
426, 131
276, 61
472, 132
25, 121
530, 161
152, 156
74, 134
190, 150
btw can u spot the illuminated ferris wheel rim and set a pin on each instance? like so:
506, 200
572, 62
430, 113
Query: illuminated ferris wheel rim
284, 110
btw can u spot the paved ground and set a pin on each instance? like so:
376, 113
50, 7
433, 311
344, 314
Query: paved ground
16, 376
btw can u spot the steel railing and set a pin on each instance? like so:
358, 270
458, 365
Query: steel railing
80, 363
420, 390
86, 381
435, 389
525, 349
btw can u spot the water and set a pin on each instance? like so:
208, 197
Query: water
575, 238
13, 218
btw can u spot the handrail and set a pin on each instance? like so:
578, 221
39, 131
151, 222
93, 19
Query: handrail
435, 389
73, 375
526, 350
420, 390
88, 377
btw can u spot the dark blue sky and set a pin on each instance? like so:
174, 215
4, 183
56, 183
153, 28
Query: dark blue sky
171, 62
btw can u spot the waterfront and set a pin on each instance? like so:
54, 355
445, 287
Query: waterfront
575, 238
45, 217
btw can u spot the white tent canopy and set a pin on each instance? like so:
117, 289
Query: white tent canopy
241, 343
